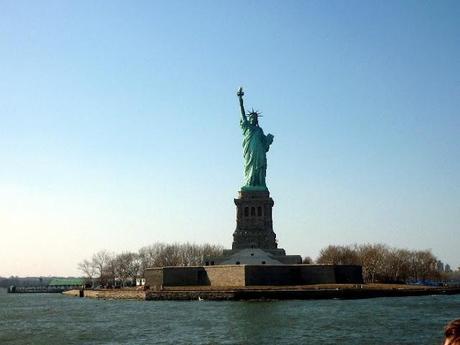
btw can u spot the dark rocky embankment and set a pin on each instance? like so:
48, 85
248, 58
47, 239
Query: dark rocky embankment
341, 291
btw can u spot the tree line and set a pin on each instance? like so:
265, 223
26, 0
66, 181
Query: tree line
110, 269
381, 263
24, 281
385, 264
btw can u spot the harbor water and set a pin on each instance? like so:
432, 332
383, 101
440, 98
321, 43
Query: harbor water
58, 319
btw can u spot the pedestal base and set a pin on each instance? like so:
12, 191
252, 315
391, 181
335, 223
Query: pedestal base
254, 241
254, 256
254, 225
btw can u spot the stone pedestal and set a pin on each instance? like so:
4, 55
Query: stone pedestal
254, 224
254, 241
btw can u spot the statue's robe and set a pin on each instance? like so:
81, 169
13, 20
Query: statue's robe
255, 147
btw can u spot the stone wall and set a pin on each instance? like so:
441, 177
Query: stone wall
183, 276
228, 275
303, 274
317, 274
252, 275
154, 278
345, 274
273, 275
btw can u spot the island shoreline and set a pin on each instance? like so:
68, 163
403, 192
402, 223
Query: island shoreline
327, 291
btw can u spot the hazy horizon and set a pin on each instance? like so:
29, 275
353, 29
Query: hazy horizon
120, 125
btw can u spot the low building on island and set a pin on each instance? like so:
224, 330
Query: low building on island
66, 283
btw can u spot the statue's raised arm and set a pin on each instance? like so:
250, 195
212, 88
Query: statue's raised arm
240, 95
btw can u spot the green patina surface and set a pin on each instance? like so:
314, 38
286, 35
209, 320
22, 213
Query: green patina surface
66, 282
255, 147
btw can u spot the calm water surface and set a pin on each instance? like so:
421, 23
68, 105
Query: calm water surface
57, 319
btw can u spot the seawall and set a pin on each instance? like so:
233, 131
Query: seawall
108, 294
329, 291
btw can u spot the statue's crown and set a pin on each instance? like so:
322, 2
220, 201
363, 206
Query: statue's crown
255, 113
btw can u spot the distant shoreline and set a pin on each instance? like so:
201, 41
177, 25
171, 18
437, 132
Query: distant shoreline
326, 291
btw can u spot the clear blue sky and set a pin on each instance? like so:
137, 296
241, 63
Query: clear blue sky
120, 124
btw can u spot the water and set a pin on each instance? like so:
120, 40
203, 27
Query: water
57, 319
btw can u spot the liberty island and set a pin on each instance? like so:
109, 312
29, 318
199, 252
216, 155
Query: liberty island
255, 259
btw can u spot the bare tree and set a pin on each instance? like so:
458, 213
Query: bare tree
88, 269
424, 265
397, 262
307, 260
127, 267
372, 257
110, 272
338, 255
187, 254
149, 256
210, 250
100, 262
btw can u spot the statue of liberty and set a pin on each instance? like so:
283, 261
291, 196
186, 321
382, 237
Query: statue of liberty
255, 148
